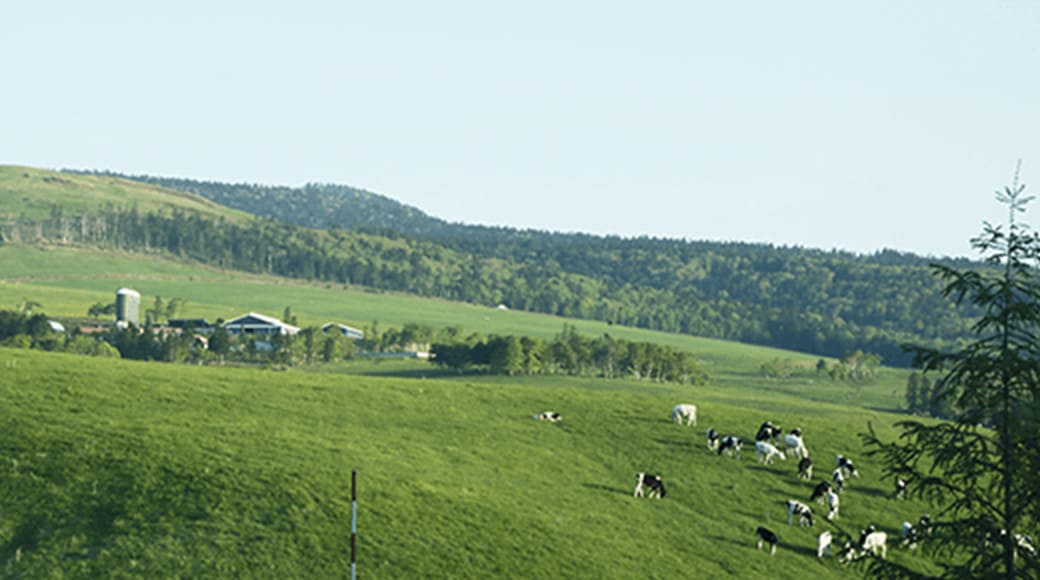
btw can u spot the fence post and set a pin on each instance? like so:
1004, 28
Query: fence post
353, 524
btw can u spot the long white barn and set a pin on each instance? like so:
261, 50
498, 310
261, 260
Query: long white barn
254, 323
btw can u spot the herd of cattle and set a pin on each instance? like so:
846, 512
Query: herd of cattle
768, 440
826, 493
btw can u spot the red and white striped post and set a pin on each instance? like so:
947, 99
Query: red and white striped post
353, 524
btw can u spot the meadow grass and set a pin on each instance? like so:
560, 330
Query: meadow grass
32, 193
114, 468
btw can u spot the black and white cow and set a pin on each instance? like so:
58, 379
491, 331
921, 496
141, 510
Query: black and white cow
839, 481
551, 416
797, 508
910, 534
820, 492
845, 465
767, 536
766, 452
832, 504
805, 468
795, 444
685, 411
768, 432
900, 492
713, 439
731, 444
653, 483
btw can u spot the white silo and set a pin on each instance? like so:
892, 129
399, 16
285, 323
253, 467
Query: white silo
128, 307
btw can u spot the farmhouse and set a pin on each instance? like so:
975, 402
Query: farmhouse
348, 331
254, 323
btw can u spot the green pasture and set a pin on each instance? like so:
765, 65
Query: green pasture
122, 469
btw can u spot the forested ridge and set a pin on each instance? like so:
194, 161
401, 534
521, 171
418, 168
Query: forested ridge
809, 300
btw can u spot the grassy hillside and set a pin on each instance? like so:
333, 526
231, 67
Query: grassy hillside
32, 193
125, 469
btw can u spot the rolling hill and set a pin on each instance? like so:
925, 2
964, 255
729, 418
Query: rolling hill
126, 469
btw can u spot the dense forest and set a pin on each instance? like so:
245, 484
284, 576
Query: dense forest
828, 303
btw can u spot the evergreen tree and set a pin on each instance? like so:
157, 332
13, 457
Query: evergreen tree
924, 394
982, 468
913, 385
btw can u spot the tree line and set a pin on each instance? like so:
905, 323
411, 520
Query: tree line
570, 353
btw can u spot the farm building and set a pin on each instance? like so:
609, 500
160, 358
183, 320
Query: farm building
128, 305
196, 324
348, 331
254, 323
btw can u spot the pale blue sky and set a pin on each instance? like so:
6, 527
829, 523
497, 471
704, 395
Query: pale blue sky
853, 125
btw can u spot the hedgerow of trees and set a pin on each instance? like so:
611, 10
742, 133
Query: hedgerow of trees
570, 353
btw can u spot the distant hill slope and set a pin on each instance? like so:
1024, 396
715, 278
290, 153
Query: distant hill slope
37, 193
314, 205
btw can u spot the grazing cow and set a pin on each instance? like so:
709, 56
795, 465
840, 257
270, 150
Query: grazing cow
766, 535
870, 540
823, 544
818, 493
732, 445
713, 439
653, 482
550, 416
839, 481
832, 504
795, 444
911, 535
797, 508
845, 465
768, 432
685, 411
765, 452
1023, 543
875, 542
900, 492
805, 468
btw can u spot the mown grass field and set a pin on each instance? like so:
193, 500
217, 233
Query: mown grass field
129, 469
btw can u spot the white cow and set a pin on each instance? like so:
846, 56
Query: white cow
823, 544
795, 444
876, 542
766, 452
685, 411
870, 540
